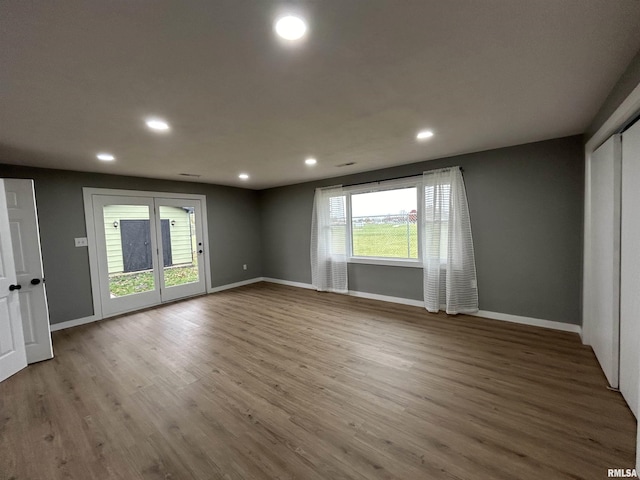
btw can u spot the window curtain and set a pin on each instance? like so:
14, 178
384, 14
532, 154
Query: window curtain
329, 241
449, 265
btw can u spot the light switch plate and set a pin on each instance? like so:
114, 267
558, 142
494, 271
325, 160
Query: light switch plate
81, 242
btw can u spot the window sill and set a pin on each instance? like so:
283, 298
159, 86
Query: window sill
390, 262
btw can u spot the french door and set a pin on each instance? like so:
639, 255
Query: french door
149, 249
181, 252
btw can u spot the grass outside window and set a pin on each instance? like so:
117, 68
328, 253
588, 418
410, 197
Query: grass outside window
385, 240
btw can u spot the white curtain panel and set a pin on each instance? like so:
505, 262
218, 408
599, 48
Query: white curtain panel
329, 241
450, 281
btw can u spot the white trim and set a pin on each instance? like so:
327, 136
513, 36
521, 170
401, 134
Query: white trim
586, 242
142, 193
74, 323
390, 262
235, 285
623, 113
205, 240
288, 283
92, 250
534, 322
506, 317
387, 298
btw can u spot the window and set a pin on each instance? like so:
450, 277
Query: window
413, 222
376, 223
384, 224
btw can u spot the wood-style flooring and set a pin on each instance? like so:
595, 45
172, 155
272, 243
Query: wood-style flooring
268, 381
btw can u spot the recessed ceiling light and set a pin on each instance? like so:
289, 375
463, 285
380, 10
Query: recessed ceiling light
424, 134
157, 124
105, 157
290, 27
243, 176
310, 161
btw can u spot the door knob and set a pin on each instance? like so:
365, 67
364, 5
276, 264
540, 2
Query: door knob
35, 281
14, 287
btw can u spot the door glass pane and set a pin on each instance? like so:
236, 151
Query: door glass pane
127, 232
179, 245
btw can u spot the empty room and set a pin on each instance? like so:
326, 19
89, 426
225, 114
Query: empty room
304, 239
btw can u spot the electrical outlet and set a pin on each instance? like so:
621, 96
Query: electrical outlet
244, 267
81, 242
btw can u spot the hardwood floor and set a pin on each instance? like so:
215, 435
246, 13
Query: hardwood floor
268, 381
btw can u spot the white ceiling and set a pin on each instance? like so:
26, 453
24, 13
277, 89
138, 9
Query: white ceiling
79, 77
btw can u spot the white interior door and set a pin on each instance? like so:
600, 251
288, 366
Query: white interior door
630, 267
601, 328
181, 247
127, 253
25, 238
13, 355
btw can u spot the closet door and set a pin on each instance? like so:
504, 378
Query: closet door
630, 267
601, 306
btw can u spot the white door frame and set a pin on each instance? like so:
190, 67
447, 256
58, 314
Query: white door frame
87, 194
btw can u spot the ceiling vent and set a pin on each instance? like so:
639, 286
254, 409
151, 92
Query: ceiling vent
194, 175
348, 164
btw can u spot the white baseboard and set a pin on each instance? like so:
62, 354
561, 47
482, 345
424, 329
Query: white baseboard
235, 285
505, 317
288, 283
535, 322
74, 323
387, 298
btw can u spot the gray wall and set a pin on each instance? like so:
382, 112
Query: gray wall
621, 90
526, 210
232, 214
526, 206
